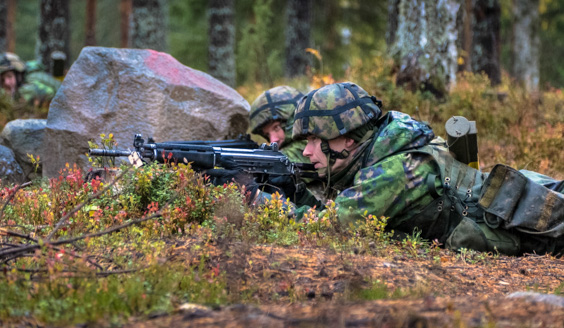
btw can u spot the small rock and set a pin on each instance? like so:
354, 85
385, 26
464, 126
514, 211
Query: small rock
193, 311
539, 297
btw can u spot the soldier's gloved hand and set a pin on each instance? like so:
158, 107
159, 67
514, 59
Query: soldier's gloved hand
230, 172
284, 185
220, 177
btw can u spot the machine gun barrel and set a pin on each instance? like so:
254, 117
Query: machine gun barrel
109, 152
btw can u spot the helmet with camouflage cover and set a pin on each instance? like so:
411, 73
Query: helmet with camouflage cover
11, 62
334, 110
278, 103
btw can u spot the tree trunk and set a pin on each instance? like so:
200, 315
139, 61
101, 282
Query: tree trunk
424, 44
7, 19
526, 43
221, 46
10, 26
486, 45
393, 16
3, 25
125, 22
464, 41
53, 31
90, 31
149, 24
298, 28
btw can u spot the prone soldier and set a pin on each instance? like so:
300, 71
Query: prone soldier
392, 165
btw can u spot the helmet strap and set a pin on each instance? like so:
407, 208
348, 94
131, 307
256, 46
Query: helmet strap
328, 175
332, 155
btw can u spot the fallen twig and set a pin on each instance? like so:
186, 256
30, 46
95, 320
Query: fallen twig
98, 274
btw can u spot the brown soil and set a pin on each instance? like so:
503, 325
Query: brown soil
313, 287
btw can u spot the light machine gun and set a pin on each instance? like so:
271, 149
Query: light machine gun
262, 162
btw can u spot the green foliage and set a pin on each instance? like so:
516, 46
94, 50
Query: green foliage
188, 32
106, 143
270, 223
377, 290
27, 22
471, 256
559, 290
35, 161
67, 301
348, 31
257, 60
11, 110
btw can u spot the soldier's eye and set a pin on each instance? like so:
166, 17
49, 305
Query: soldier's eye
312, 138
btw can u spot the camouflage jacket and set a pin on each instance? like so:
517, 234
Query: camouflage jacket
389, 182
385, 181
38, 89
294, 149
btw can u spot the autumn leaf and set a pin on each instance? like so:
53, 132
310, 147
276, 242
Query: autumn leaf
315, 53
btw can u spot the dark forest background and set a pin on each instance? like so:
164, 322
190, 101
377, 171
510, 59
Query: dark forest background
343, 31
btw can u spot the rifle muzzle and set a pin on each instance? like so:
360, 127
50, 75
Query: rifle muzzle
108, 152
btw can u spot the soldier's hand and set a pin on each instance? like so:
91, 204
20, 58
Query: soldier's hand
230, 172
284, 185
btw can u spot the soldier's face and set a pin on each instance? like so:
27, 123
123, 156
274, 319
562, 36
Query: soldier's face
319, 159
9, 82
274, 132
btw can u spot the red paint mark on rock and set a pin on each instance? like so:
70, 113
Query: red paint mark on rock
173, 72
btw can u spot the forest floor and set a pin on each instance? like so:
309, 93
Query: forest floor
317, 287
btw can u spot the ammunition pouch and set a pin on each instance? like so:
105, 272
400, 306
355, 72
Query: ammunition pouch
510, 200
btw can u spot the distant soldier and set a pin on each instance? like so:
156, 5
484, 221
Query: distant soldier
28, 84
392, 165
12, 71
272, 115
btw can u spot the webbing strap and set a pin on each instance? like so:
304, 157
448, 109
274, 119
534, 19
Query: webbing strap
332, 112
305, 120
365, 109
272, 105
348, 87
431, 185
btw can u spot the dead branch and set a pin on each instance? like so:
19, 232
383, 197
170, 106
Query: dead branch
16, 234
98, 274
107, 231
28, 248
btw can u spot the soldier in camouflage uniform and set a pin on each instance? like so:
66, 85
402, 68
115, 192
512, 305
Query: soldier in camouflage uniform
12, 71
272, 115
33, 86
392, 165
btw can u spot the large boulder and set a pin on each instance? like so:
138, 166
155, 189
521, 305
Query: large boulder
10, 171
25, 137
129, 91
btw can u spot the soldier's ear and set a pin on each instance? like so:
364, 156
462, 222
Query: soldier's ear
349, 143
